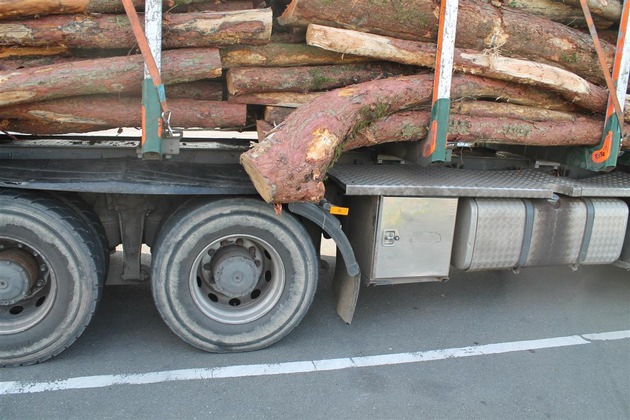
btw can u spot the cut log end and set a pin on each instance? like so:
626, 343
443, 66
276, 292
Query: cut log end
264, 188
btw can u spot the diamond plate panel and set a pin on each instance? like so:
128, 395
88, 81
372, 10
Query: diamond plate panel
558, 232
498, 238
609, 230
412, 180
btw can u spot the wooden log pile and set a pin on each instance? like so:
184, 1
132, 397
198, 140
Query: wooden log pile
314, 78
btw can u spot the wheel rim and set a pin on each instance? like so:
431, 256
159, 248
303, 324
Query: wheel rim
237, 279
30, 310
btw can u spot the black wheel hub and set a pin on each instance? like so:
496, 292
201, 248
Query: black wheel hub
234, 271
18, 274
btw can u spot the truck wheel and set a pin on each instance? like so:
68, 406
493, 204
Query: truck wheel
50, 280
92, 221
232, 275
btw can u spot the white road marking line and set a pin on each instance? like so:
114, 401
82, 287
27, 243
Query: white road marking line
102, 381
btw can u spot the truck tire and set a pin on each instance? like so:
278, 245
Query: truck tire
51, 279
232, 275
85, 212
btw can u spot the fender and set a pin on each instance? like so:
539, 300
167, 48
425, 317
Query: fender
346, 283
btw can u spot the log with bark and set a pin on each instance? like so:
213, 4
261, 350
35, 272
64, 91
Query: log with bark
567, 130
557, 11
572, 87
114, 31
106, 75
291, 162
480, 26
285, 99
91, 113
283, 55
305, 79
14, 9
274, 115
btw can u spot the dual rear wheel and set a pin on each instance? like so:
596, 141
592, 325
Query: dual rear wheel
227, 275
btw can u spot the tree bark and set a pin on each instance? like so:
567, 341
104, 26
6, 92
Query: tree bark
285, 99
92, 113
15, 9
17, 52
214, 6
283, 55
557, 11
304, 79
570, 86
607, 9
291, 163
107, 75
571, 130
480, 26
114, 31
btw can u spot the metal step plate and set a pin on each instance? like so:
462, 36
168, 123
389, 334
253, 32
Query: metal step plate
412, 180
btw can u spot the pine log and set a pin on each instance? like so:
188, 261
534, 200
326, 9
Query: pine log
213, 6
291, 162
557, 11
570, 86
92, 113
568, 130
274, 115
285, 99
244, 80
480, 26
106, 75
263, 128
202, 90
283, 55
114, 31
14, 9
16, 52
607, 9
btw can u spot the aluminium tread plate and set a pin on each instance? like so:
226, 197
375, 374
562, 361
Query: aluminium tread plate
412, 180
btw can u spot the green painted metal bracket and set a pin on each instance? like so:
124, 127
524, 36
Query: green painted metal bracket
435, 147
602, 157
151, 145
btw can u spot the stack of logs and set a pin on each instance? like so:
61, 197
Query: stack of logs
333, 76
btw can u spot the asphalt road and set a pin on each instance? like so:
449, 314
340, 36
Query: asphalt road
486, 345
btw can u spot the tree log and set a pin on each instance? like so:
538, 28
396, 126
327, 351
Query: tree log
15, 52
568, 130
291, 163
14, 9
286, 99
92, 113
107, 75
214, 6
557, 11
274, 115
283, 55
114, 31
607, 9
570, 86
480, 26
304, 79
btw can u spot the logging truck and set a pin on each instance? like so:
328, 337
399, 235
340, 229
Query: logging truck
235, 230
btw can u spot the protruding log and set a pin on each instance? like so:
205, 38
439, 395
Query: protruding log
607, 9
304, 79
16, 52
570, 86
283, 55
480, 26
91, 113
291, 163
106, 75
114, 31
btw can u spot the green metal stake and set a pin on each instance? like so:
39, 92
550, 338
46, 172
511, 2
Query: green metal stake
151, 122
